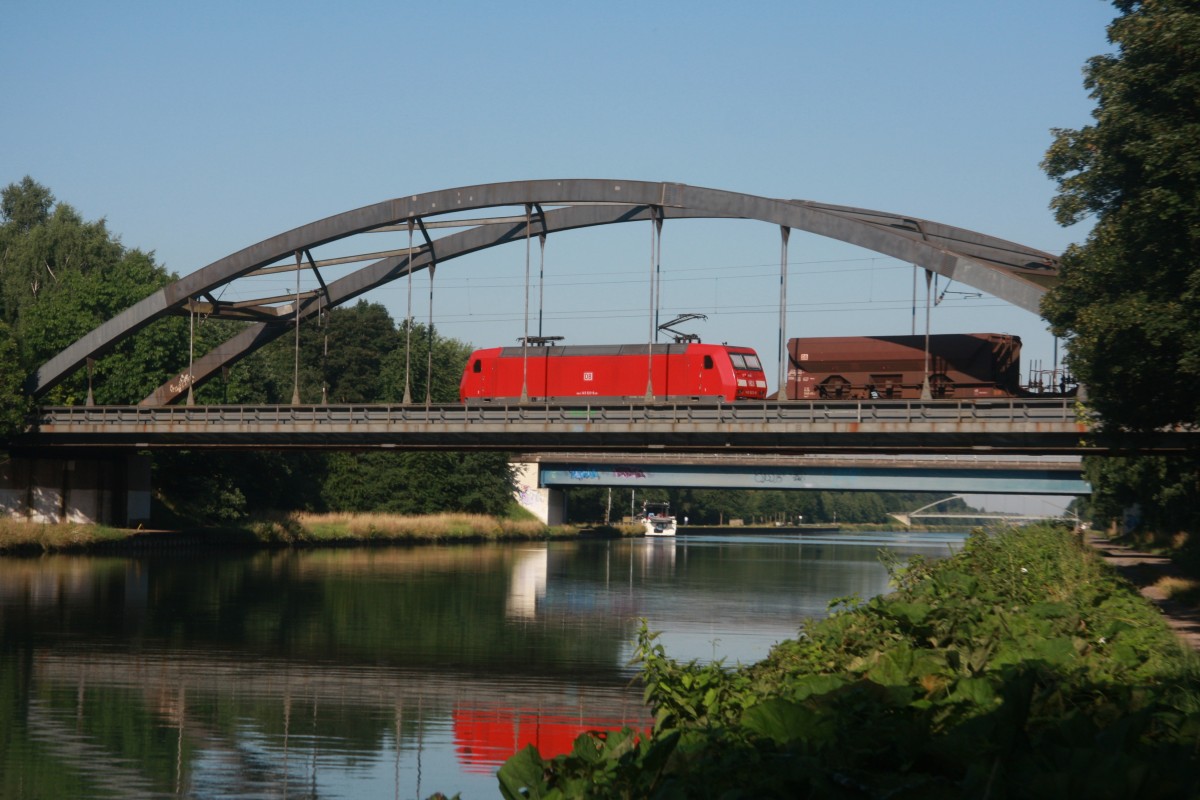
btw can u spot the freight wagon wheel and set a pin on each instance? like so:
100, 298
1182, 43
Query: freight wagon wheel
941, 386
835, 387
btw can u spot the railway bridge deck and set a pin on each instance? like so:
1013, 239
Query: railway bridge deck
83, 462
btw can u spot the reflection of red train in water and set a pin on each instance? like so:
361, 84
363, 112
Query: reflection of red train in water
960, 366
486, 737
614, 373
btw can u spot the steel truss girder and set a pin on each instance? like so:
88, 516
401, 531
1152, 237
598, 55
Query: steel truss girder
1012, 272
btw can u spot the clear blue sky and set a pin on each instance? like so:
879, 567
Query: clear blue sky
197, 129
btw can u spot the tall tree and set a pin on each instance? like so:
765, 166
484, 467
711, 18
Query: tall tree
441, 383
1129, 299
61, 276
418, 482
354, 344
12, 400
26, 204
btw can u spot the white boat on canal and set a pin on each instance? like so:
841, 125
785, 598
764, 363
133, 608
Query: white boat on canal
657, 519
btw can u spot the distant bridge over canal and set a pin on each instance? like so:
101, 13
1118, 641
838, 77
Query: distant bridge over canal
959, 474
543, 478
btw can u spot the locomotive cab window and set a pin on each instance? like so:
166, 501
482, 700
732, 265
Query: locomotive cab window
745, 361
477, 366
708, 362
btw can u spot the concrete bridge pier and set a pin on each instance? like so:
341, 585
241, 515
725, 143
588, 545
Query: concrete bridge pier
546, 503
110, 490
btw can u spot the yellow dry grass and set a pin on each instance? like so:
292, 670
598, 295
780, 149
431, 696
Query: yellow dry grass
1177, 588
428, 527
301, 528
18, 535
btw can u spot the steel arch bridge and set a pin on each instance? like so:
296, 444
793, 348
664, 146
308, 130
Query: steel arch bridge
1010, 271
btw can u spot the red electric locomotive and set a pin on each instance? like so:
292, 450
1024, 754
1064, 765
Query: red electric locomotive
614, 373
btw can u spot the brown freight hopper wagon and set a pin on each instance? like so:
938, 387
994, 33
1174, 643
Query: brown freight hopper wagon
961, 366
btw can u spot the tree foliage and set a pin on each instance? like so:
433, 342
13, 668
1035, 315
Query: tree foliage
753, 506
1019, 667
1129, 297
1153, 496
418, 483
62, 276
434, 365
353, 354
26, 204
12, 400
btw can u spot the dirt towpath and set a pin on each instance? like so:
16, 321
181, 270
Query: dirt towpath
1143, 570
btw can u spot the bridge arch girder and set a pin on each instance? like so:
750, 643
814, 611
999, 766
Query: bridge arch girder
1012, 272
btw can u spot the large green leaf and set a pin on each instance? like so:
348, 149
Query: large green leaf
783, 721
523, 776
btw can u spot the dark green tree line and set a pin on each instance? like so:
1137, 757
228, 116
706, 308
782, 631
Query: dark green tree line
753, 506
1129, 297
352, 354
61, 276
13, 402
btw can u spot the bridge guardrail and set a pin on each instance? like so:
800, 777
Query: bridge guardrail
906, 411
815, 460
1015, 425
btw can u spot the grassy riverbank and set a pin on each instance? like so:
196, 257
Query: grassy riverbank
35, 537
299, 529
1020, 667
318, 529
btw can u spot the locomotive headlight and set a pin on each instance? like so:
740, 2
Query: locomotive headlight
741, 381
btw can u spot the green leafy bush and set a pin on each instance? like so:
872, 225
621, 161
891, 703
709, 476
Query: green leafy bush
1021, 667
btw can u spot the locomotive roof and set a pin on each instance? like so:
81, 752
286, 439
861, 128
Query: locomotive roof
609, 350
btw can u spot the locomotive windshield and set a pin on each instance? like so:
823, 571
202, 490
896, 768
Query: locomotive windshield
745, 361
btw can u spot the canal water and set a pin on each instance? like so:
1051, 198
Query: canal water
391, 672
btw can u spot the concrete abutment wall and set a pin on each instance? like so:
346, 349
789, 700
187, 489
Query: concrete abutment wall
547, 504
110, 490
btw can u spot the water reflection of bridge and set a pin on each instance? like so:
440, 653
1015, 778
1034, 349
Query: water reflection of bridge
281, 706
286, 669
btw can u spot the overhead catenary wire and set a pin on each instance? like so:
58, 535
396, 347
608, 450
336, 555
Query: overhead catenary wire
241, 289
594, 312
452, 313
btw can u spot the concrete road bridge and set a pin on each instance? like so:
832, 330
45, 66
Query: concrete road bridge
544, 478
987, 474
